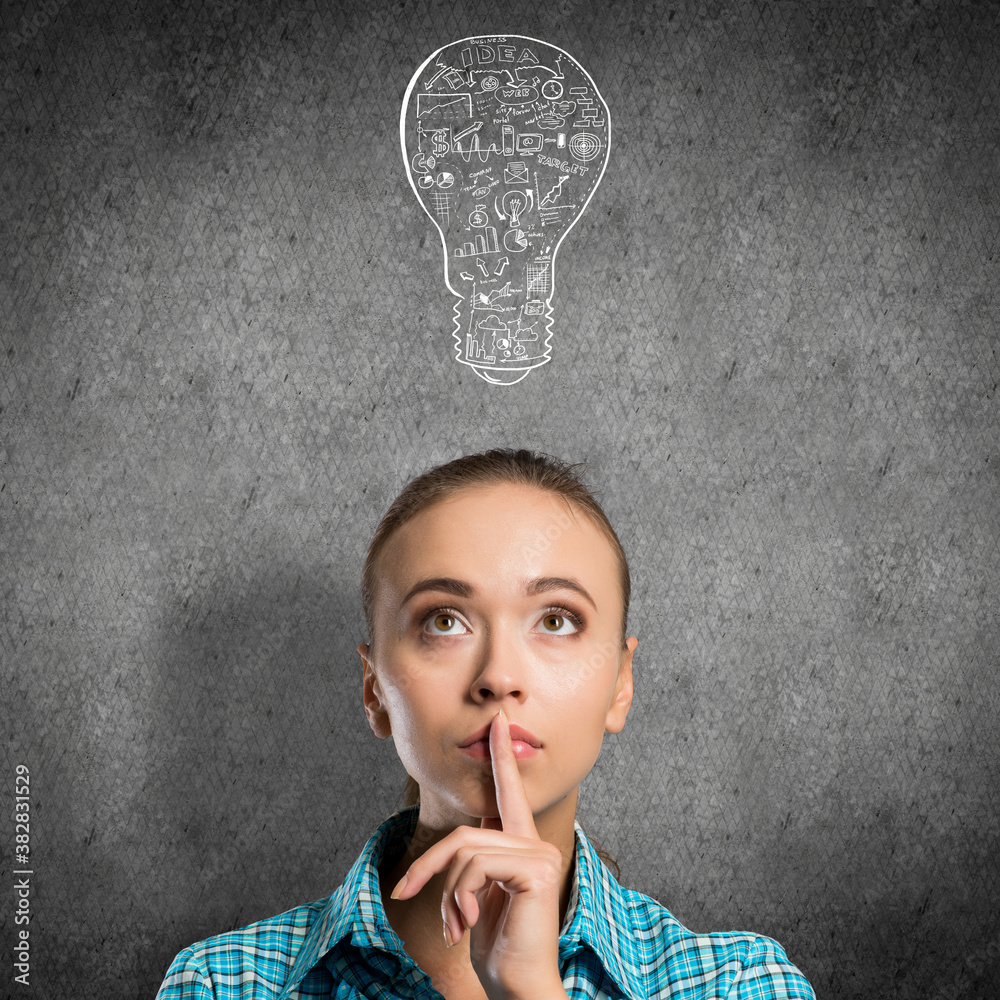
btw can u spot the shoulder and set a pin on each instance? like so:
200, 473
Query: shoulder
738, 965
251, 961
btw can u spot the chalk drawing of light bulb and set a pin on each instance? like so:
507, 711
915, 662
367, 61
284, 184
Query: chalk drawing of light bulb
505, 140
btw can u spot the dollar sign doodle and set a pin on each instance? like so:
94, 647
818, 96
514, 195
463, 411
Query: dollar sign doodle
440, 142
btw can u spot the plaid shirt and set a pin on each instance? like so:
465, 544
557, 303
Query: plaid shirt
614, 942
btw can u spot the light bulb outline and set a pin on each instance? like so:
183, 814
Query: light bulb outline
582, 150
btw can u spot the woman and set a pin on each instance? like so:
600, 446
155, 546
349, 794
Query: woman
495, 594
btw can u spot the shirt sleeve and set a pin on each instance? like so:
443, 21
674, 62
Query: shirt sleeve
186, 979
767, 974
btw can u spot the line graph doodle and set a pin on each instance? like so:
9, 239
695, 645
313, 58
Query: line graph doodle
539, 284
444, 105
553, 195
489, 300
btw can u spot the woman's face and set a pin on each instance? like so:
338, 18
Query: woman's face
499, 597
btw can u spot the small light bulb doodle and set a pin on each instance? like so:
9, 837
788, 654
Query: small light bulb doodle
505, 140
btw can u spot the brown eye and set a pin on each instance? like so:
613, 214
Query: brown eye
560, 622
444, 623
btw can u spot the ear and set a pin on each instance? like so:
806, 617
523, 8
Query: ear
621, 701
374, 699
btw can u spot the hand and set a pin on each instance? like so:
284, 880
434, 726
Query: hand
503, 884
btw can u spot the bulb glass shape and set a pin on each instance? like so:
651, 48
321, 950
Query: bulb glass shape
505, 140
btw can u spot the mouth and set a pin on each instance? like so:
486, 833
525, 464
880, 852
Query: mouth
518, 734
481, 749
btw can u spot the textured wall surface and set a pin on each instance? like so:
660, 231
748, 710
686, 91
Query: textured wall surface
226, 345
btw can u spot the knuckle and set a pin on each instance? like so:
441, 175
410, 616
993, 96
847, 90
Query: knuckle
550, 877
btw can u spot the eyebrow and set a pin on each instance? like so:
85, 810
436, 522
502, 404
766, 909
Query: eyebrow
459, 588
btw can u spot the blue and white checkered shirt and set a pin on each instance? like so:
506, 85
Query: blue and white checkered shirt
614, 942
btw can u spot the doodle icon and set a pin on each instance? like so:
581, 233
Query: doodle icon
515, 173
505, 140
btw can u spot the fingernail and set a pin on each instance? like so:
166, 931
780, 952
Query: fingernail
448, 940
400, 886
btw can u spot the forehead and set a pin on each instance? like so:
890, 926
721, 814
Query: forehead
509, 529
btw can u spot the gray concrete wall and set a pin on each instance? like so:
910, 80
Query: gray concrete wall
226, 345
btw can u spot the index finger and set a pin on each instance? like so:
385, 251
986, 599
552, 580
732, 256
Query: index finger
515, 811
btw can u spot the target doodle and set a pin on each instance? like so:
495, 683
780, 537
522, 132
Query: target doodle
585, 146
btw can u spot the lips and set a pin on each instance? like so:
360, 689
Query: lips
516, 733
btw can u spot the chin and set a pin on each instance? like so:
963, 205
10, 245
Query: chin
457, 806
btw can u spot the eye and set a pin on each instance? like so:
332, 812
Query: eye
443, 622
555, 620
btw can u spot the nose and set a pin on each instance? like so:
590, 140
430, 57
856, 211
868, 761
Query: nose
502, 668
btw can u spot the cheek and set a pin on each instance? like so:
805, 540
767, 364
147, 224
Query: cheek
576, 743
579, 699
418, 696
583, 684
406, 682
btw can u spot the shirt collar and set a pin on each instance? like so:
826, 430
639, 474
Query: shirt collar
597, 913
